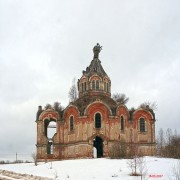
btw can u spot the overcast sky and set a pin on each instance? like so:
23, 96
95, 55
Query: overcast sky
45, 44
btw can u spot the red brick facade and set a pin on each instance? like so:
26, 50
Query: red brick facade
94, 121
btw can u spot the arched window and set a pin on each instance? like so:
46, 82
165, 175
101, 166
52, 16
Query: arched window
142, 125
71, 123
85, 86
93, 84
98, 120
51, 129
82, 87
104, 86
97, 85
122, 123
107, 87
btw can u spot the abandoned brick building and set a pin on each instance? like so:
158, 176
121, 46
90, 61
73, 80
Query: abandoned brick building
91, 124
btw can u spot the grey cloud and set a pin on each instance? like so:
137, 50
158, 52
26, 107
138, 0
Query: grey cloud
44, 45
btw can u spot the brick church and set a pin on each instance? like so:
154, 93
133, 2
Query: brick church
89, 126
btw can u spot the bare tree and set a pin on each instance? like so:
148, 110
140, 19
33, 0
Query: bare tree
48, 106
168, 135
57, 106
174, 147
149, 105
137, 163
34, 157
132, 109
120, 98
73, 94
176, 171
160, 142
142, 167
168, 145
138, 167
133, 163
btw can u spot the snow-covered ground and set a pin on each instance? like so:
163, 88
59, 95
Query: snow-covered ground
91, 169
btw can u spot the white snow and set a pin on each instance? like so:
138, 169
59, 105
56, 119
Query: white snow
91, 169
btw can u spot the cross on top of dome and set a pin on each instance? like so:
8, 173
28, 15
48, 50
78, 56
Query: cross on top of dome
97, 50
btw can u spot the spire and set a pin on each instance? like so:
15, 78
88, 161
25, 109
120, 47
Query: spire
95, 68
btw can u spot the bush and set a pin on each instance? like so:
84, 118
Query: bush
2, 162
118, 150
34, 157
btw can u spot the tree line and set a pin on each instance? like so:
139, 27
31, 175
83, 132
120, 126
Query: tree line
168, 143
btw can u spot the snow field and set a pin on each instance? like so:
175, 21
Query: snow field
91, 169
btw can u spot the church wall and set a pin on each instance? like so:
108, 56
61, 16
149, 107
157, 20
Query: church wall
60, 132
79, 142
80, 150
147, 136
85, 128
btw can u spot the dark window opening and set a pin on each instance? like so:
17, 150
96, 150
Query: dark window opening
50, 128
122, 123
104, 86
98, 144
82, 87
71, 123
46, 123
98, 120
107, 87
93, 85
50, 147
85, 86
142, 125
97, 85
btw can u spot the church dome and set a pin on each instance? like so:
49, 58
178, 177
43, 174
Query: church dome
94, 80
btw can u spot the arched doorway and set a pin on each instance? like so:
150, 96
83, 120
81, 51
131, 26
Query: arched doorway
98, 144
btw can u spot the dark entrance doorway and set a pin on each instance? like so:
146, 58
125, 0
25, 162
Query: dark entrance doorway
98, 144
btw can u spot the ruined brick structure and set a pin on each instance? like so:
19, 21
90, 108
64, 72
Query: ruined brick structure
93, 122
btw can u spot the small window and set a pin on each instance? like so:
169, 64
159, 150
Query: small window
97, 85
98, 120
107, 87
85, 86
122, 123
71, 123
104, 86
142, 125
93, 85
82, 87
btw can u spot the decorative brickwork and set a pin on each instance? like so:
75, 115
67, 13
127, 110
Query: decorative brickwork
89, 126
